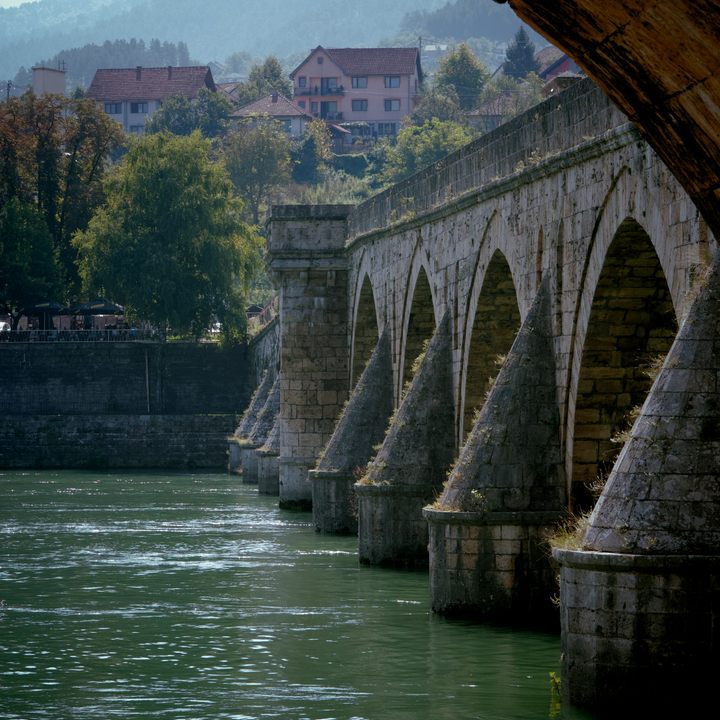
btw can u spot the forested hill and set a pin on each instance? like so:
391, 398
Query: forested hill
464, 19
213, 29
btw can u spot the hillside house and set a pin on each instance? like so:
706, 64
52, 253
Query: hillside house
372, 89
131, 95
275, 107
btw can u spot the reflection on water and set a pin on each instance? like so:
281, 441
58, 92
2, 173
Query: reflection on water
152, 595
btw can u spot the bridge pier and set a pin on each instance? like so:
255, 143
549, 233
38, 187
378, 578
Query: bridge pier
489, 555
261, 429
640, 600
361, 427
308, 260
236, 442
268, 470
409, 468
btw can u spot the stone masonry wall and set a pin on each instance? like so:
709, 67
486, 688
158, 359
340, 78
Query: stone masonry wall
122, 378
119, 404
307, 258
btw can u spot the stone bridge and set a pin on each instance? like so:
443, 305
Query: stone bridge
512, 304
568, 191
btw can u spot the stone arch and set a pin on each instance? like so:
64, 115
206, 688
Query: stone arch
365, 327
620, 202
630, 323
419, 316
492, 321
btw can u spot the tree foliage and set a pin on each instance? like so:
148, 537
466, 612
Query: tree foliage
263, 80
209, 113
462, 71
520, 95
520, 56
239, 63
311, 153
169, 242
258, 161
29, 271
461, 20
419, 146
53, 154
441, 102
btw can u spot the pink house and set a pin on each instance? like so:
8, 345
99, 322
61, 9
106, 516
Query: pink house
371, 88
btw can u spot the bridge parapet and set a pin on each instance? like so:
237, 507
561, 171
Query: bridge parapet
578, 114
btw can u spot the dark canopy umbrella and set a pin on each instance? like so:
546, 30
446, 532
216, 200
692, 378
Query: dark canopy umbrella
45, 308
44, 311
99, 306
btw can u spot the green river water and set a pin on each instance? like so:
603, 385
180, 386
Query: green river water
149, 595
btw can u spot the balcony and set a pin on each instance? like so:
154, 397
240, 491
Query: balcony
319, 90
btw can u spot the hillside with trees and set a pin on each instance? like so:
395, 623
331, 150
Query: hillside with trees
82, 62
212, 31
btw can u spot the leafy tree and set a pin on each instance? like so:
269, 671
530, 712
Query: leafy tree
179, 115
169, 241
53, 154
213, 111
263, 80
258, 161
239, 63
520, 56
419, 146
439, 102
461, 20
522, 94
462, 71
311, 154
29, 271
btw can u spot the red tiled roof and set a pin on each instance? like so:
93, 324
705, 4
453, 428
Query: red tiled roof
282, 107
117, 84
373, 61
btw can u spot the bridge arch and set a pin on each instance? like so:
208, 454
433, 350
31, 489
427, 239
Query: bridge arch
626, 324
420, 315
492, 321
366, 323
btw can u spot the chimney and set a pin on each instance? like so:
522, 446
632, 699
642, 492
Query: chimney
274, 97
169, 72
138, 72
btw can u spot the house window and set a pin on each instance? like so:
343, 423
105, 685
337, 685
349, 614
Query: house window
386, 129
328, 86
302, 81
392, 105
359, 105
392, 81
139, 108
287, 126
359, 82
137, 129
113, 108
313, 107
301, 104
320, 59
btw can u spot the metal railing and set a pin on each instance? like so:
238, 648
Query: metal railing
107, 335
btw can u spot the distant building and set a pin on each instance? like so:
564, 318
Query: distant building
48, 81
554, 62
275, 107
132, 95
371, 88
